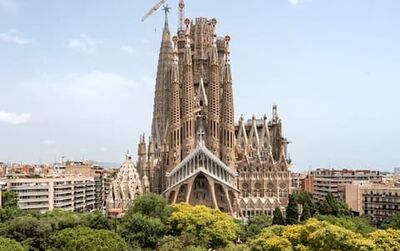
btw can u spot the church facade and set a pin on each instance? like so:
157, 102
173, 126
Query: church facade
196, 153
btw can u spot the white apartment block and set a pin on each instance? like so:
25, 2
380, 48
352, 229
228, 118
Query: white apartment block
328, 180
46, 194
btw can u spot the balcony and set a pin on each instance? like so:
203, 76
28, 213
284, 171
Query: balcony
63, 204
30, 193
29, 188
35, 206
33, 200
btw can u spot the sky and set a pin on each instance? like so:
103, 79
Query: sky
77, 77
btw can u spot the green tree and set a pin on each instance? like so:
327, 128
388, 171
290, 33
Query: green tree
9, 213
292, 211
29, 231
233, 247
151, 205
388, 240
331, 206
210, 228
142, 230
255, 225
306, 198
312, 235
391, 222
9, 199
276, 243
10, 245
170, 243
321, 235
194, 248
96, 220
356, 224
306, 213
61, 219
257, 244
278, 218
331, 237
86, 239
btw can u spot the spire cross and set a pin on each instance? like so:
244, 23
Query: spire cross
201, 134
166, 10
200, 130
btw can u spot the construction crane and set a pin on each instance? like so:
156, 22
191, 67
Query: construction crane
160, 3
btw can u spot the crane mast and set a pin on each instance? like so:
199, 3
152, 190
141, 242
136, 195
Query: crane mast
154, 9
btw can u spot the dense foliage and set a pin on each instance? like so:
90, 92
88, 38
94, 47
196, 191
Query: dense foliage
84, 238
9, 244
152, 224
292, 211
392, 222
203, 226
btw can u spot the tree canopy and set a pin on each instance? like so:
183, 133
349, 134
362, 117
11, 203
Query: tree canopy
278, 218
209, 228
86, 239
139, 229
332, 206
196, 228
292, 211
29, 231
255, 225
392, 222
9, 244
9, 199
151, 205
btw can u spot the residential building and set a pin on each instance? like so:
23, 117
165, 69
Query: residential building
320, 182
376, 201
46, 194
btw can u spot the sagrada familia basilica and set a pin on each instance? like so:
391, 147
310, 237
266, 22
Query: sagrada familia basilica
196, 152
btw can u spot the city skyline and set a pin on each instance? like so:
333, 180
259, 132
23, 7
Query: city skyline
88, 91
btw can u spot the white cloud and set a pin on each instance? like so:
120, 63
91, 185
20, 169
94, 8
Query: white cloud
9, 6
128, 49
14, 118
48, 142
13, 36
103, 149
85, 43
297, 2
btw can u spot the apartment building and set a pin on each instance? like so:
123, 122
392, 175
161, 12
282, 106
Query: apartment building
45, 194
320, 182
376, 201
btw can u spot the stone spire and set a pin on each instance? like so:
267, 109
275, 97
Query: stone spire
227, 123
214, 96
125, 187
175, 113
161, 102
188, 132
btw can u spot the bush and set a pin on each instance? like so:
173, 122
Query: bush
9, 244
85, 239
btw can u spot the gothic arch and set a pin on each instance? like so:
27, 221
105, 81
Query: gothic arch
183, 190
171, 197
222, 200
201, 192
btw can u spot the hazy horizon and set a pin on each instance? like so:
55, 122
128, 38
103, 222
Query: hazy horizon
77, 77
